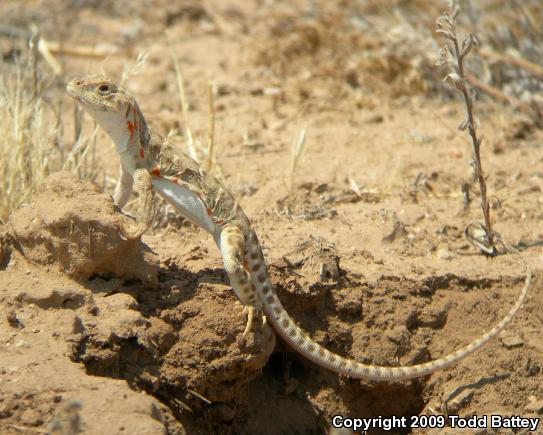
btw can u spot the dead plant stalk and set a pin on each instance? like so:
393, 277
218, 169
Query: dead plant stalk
454, 57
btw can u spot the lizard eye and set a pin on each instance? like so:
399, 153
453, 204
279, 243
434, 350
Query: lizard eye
104, 89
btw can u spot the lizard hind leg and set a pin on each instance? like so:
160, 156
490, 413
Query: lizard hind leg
232, 246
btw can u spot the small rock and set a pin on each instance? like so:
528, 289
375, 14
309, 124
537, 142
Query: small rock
21, 343
536, 407
417, 356
13, 320
329, 270
375, 119
445, 254
399, 335
352, 78
67, 419
434, 316
512, 341
5, 410
121, 301
398, 231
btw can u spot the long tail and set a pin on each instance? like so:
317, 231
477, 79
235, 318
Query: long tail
302, 343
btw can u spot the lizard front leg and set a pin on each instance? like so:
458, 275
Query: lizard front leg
123, 188
145, 211
232, 246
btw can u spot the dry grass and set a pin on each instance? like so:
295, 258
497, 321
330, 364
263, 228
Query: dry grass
199, 152
32, 132
297, 151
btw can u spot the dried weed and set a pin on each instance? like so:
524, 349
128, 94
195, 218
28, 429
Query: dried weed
32, 131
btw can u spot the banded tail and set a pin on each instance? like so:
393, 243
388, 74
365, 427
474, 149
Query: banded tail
292, 334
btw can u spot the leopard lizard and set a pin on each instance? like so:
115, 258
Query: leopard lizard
149, 164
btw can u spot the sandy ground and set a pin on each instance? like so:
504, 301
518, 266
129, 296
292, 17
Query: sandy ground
102, 335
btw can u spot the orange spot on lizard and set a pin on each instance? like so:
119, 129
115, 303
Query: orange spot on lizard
131, 128
142, 153
156, 171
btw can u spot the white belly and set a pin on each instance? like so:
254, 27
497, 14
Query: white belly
185, 202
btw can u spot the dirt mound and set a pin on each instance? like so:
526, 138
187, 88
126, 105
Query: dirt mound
72, 226
115, 319
40, 387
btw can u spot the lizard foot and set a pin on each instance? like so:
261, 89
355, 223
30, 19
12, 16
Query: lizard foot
250, 311
245, 341
131, 232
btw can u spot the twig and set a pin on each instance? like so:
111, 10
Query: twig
25, 428
534, 68
454, 57
475, 385
296, 154
183, 101
211, 127
199, 396
134, 68
54, 47
532, 110
492, 91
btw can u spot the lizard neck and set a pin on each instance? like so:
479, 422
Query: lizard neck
121, 138
139, 134
129, 131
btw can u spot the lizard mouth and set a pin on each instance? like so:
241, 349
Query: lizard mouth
76, 95
72, 91
75, 92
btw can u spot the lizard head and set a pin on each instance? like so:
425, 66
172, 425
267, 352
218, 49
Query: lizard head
98, 94
110, 105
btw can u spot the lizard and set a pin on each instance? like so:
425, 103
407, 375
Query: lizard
149, 164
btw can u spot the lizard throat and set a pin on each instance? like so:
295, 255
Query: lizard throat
114, 125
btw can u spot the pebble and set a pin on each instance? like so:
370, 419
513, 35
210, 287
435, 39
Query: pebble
512, 341
445, 254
